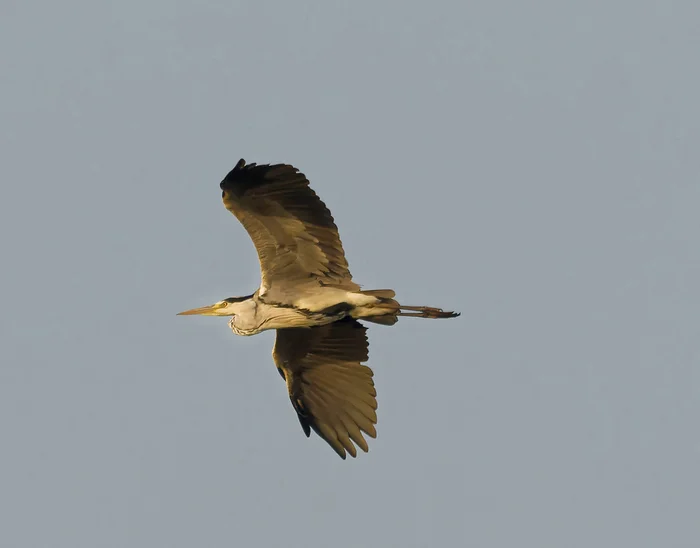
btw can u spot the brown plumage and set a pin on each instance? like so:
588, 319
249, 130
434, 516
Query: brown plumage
308, 296
331, 391
292, 229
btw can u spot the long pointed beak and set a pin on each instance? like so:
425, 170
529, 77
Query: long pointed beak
209, 310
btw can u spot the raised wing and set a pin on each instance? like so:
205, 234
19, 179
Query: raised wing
293, 231
332, 393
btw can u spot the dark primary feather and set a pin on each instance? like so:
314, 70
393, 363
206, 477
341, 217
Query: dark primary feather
331, 391
293, 231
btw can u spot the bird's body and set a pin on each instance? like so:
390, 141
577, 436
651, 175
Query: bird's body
328, 304
308, 296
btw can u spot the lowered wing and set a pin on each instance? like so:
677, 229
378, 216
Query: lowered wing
331, 391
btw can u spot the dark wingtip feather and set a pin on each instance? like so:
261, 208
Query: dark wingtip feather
245, 176
235, 173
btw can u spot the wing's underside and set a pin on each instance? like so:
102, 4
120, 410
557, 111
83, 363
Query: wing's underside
293, 231
331, 391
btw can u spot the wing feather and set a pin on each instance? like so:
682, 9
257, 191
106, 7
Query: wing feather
293, 231
331, 391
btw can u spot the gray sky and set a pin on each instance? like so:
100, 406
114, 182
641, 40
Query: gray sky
532, 164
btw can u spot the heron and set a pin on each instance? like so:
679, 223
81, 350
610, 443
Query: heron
308, 296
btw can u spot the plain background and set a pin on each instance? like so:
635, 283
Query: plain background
534, 165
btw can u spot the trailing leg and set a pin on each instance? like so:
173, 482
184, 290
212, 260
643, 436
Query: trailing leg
425, 312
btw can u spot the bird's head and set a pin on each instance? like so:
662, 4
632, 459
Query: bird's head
227, 307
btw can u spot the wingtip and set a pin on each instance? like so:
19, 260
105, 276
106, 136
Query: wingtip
232, 175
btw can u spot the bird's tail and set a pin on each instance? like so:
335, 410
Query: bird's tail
387, 310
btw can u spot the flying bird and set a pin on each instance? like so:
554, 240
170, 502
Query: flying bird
309, 297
